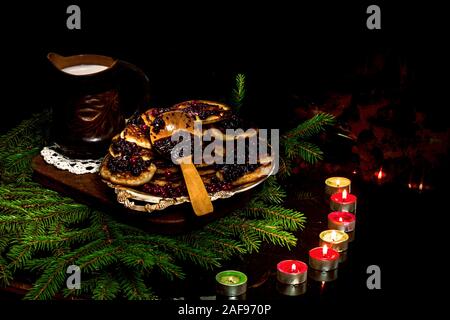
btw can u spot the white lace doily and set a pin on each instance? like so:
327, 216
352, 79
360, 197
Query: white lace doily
77, 166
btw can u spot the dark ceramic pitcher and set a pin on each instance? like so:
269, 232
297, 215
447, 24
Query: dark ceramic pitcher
92, 95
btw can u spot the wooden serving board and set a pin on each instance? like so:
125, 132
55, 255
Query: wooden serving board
90, 190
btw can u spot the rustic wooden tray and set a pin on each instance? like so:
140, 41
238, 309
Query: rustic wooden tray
89, 189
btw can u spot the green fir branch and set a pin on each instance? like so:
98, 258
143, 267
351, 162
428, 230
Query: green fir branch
238, 93
272, 192
251, 240
306, 150
180, 249
133, 286
289, 219
6, 274
221, 245
106, 288
270, 231
285, 168
312, 127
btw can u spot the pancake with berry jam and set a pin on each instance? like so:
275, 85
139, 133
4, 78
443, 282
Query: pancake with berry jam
127, 163
137, 131
126, 171
204, 110
121, 147
151, 114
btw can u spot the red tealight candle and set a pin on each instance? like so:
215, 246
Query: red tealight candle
323, 258
344, 221
343, 201
292, 271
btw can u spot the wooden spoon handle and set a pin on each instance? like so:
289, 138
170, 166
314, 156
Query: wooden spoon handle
200, 201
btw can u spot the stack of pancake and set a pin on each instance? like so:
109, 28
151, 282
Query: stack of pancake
133, 162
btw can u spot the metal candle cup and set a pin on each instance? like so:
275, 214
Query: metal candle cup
343, 201
292, 271
323, 258
337, 184
343, 257
291, 289
334, 239
325, 276
341, 220
231, 283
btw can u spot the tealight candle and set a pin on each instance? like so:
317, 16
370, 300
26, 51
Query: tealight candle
337, 184
339, 220
292, 271
343, 201
335, 239
231, 283
323, 258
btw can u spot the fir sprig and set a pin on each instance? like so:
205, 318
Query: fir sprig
272, 192
238, 93
19, 145
312, 127
296, 144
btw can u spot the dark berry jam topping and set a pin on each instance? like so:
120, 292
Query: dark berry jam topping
232, 172
158, 124
203, 110
166, 191
136, 120
157, 111
125, 148
169, 191
135, 165
165, 146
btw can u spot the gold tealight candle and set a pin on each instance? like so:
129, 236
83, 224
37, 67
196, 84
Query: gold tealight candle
335, 239
337, 184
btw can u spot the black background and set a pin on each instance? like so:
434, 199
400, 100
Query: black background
193, 50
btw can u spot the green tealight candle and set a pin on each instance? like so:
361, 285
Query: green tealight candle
231, 283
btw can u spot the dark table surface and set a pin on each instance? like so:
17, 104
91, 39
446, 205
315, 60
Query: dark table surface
387, 235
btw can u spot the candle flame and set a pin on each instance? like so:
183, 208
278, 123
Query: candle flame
421, 186
333, 235
324, 250
338, 182
294, 268
380, 174
344, 194
409, 185
340, 219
